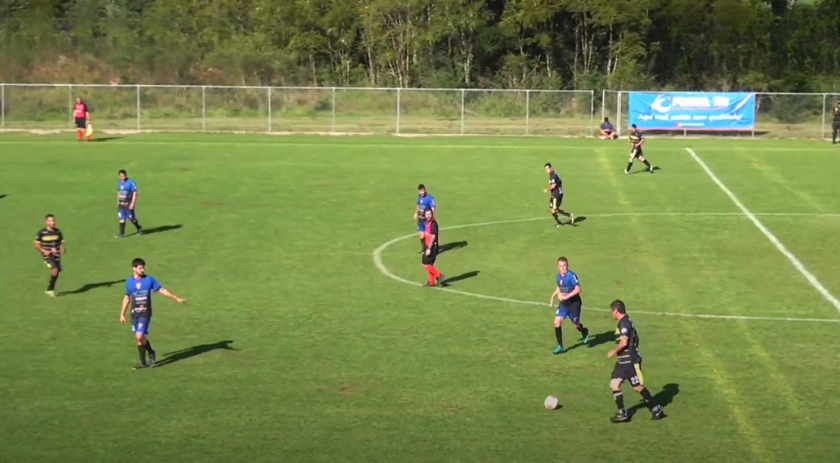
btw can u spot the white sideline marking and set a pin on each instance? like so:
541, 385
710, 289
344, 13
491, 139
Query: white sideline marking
767, 233
377, 261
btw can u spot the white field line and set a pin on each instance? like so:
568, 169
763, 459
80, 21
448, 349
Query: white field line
768, 234
377, 261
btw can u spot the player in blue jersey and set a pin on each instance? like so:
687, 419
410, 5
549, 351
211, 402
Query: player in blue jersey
568, 292
424, 201
126, 199
138, 295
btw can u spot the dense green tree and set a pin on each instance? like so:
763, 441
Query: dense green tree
763, 45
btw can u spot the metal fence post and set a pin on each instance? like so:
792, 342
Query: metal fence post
3, 105
398, 110
822, 128
618, 112
591, 113
332, 120
268, 91
755, 111
603, 104
70, 101
203, 108
527, 112
463, 96
138, 108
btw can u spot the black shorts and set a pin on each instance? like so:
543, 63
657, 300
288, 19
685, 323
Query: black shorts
53, 262
637, 152
556, 201
630, 372
835, 125
81, 123
430, 259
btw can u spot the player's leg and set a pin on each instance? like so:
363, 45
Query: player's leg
645, 161
55, 268
421, 233
574, 315
835, 133
618, 396
121, 214
80, 129
630, 160
553, 206
559, 202
141, 328
558, 329
132, 217
638, 383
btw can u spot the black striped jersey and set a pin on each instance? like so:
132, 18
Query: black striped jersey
50, 239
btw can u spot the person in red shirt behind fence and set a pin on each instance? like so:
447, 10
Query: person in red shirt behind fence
82, 117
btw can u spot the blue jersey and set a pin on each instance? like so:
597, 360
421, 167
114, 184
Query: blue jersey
425, 202
126, 190
139, 291
567, 284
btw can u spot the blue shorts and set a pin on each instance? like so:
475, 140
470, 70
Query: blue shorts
570, 310
125, 213
140, 325
421, 226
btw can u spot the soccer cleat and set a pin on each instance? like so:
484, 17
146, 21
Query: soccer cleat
558, 350
152, 358
120, 236
571, 219
428, 285
626, 171
559, 225
586, 339
441, 281
620, 417
658, 414
139, 232
140, 366
51, 293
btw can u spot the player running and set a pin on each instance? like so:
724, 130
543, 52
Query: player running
636, 140
431, 249
126, 200
628, 366
568, 292
424, 201
49, 241
81, 117
138, 295
555, 189
835, 125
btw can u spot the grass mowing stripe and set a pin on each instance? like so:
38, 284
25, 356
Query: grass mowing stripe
768, 234
712, 367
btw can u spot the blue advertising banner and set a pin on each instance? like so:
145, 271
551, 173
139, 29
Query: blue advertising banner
692, 111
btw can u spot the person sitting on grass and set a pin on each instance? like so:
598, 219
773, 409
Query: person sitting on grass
607, 131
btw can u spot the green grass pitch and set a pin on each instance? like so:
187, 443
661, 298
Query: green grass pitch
296, 346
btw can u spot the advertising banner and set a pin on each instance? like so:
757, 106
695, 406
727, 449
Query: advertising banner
692, 111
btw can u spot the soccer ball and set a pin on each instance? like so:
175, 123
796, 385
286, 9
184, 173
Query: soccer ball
552, 403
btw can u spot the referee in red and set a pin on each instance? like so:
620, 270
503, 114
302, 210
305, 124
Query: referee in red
81, 116
430, 253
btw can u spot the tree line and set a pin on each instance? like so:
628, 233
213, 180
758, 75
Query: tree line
759, 45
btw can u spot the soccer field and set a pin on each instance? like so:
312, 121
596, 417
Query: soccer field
307, 339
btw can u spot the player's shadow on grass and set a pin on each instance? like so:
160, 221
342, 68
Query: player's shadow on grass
104, 139
193, 351
655, 169
462, 276
161, 229
452, 246
89, 286
3, 196
579, 219
596, 340
663, 397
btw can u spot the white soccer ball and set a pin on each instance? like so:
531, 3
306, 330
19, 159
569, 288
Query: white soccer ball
551, 403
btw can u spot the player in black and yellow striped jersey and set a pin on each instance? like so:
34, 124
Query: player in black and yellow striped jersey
637, 139
628, 366
49, 241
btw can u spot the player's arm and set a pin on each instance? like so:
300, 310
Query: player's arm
38, 247
641, 140
61, 249
556, 293
433, 205
166, 293
432, 237
133, 198
622, 343
125, 302
571, 294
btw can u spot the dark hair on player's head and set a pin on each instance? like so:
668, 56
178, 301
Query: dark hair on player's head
618, 306
428, 209
138, 261
563, 259
421, 187
606, 119
633, 126
122, 172
49, 216
548, 164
